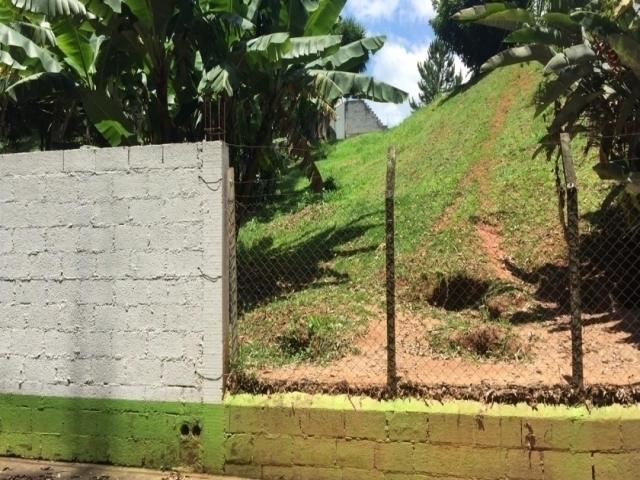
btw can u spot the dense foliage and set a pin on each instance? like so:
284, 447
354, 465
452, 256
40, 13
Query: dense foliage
473, 43
117, 72
437, 73
591, 55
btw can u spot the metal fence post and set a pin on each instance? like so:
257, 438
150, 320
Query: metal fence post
233, 272
573, 239
392, 377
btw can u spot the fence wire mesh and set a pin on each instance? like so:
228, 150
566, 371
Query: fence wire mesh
483, 292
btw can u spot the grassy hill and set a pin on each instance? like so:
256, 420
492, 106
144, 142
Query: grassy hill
476, 217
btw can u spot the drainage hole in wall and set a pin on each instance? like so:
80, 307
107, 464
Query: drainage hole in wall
196, 430
184, 430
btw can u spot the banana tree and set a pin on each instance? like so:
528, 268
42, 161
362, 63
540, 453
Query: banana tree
591, 60
281, 85
138, 71
73, 40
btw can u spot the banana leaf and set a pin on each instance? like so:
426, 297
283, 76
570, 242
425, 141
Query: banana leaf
115, 5
527, 53
595, 23
351, 54
295, 13
561, 21
497, 15
628, 50
537, 34
41, 34
52, 8
12, 38
107, 116
477, 12
220, 79
572, 109
40, 85
9, 61
508, 20
305, 47
272, 46
552, 90
324, 17
576, 55
80, 48
332, 85
244, 8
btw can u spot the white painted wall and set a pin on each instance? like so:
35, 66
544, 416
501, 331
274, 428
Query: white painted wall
113, 272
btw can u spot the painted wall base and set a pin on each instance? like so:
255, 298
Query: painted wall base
297, 436
120, 432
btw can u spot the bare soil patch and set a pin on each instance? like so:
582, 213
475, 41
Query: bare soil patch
611, 357
491, 243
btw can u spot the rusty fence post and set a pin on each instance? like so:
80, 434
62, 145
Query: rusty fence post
573, 240
392, 377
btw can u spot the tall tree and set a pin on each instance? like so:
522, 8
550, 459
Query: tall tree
351, 30
437, 73
473, 43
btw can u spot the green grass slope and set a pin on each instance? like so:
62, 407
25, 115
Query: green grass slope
468, 193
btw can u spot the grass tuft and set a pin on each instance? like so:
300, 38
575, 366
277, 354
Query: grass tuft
477, 339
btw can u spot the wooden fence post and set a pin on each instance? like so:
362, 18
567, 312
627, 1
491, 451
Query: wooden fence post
573, 240
392, 377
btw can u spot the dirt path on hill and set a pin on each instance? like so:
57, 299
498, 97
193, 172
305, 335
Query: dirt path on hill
611, 344
489, 236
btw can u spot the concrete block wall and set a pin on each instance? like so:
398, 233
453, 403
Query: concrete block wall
290, 437
112, 272
360, 119
355, 117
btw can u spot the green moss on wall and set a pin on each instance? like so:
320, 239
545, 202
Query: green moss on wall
120, 432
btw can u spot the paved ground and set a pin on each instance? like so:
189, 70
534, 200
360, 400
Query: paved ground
17, 469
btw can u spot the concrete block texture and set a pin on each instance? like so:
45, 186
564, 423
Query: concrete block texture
112, 270
296, 435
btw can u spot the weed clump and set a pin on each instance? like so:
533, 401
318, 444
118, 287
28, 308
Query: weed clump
477, 339
317, 338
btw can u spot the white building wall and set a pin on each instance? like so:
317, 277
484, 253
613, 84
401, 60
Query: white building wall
113, 272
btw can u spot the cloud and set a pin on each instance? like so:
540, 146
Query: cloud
421, 9
397, 64
373, 9
388, 10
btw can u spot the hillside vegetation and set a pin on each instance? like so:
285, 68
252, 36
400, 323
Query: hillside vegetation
476, 217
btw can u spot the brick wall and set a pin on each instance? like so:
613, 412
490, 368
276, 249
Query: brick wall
301, 437
111, 272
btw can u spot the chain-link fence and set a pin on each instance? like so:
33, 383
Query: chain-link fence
488, 294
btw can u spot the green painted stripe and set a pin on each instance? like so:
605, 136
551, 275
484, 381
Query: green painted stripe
119, 432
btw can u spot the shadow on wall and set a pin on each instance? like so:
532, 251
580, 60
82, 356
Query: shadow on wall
103, 431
